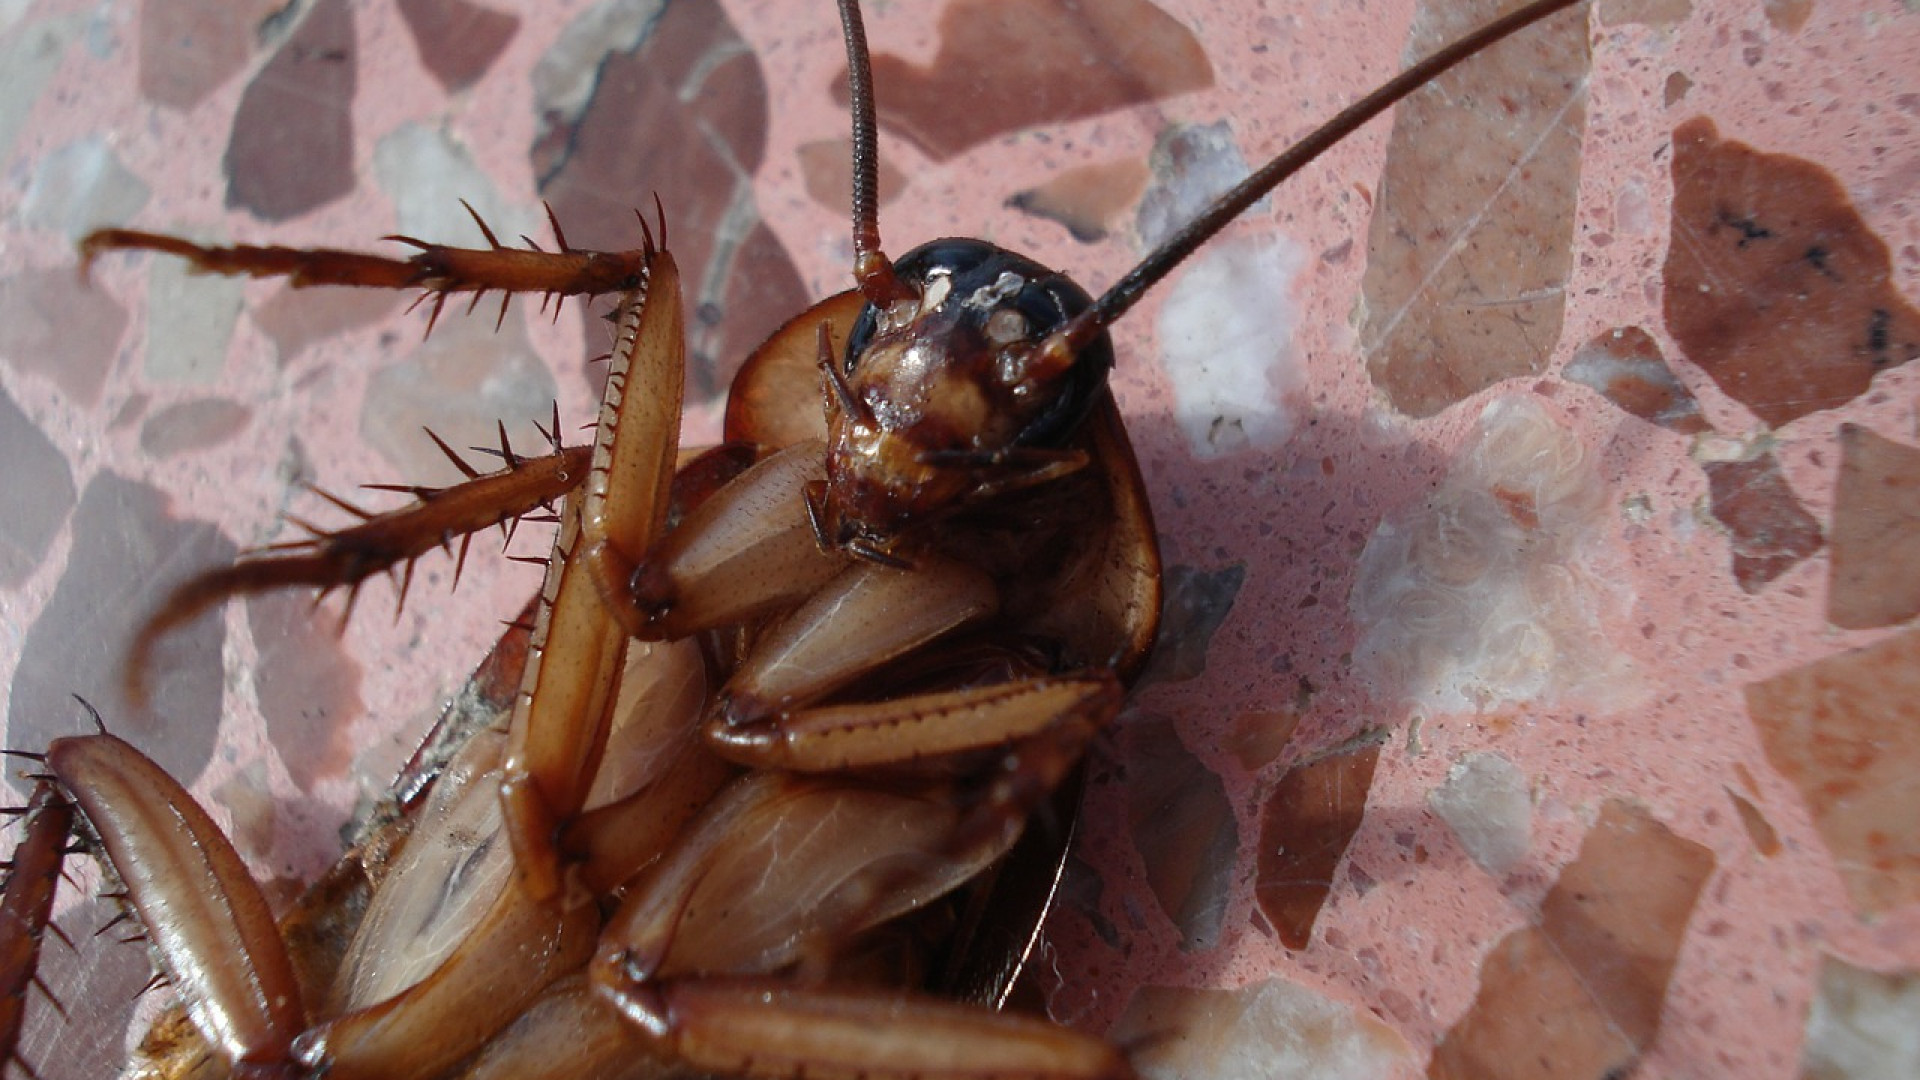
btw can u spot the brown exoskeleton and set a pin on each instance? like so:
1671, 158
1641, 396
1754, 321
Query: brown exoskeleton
918, 606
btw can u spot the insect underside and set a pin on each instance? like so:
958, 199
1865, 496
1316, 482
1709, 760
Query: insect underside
793, 725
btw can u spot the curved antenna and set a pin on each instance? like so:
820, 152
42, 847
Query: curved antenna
871, 267
1115, 302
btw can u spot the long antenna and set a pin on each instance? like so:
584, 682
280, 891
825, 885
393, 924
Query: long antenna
871, 267
1115, 302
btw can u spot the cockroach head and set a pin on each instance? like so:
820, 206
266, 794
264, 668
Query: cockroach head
971, 367
954, 391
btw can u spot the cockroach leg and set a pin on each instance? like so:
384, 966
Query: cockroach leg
560, 723
572, 675
863, 618
783, 867
740, 556
438, 270
209, 926
744, 554
27, 905
902, 731
345, 558
569, 1033
775, 1030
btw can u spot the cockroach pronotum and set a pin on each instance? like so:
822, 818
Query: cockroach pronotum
965, 795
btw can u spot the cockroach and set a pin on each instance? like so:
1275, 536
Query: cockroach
916, 612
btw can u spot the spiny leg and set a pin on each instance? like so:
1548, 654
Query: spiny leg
208, 922
346, 558
26, 908
438, 269
560, 724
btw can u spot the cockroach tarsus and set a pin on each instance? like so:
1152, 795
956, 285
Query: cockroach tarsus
915, 602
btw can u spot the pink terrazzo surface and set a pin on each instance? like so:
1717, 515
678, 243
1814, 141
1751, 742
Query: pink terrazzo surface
1405, 931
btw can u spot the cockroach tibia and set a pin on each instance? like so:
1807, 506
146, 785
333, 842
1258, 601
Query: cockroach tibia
793, 716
